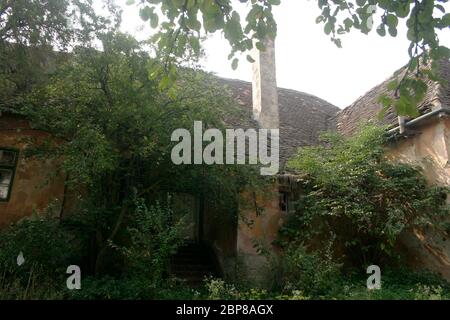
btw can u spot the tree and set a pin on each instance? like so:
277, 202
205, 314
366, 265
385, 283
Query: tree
31, 31
38, 23
186, 20
115, 127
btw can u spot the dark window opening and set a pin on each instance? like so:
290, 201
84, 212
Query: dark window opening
8, 161
284, 201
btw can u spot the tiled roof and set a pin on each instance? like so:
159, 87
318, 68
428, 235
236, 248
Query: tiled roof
368, 107
302, 116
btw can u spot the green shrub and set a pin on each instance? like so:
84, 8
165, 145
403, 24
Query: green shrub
132, 288
217, 289
38, 286
303, 273
155, 236
45, 245
107, 288
47, 250
175, 291
424, 292
352, 192
396, 284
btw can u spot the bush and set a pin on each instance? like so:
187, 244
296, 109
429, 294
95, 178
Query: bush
429, 293
218, 289
396, 284
311, 274
45, 245
38, 286
364, 201
107, 288
129, 288
155, 237
49, 246
47, 250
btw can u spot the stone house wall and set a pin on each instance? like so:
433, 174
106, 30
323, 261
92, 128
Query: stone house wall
430, 149
35, 184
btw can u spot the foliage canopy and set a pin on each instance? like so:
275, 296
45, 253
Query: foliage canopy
183, 23
114, 126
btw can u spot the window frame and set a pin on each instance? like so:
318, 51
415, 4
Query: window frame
13, 168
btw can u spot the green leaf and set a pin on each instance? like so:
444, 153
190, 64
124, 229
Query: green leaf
327, 28
165, 83
235, 63
402, 10
145, 13
260, 46
195, 44
250, 59
392, 85
381, 30
233, 29
385, 100
193, 24
338, 43
446, 19
391, 20
392, 31
439, 7
348, 23
154, 20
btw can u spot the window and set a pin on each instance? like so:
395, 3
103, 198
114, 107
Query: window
284, 201
8, 161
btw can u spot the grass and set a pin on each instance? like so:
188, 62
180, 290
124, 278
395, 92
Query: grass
400, 285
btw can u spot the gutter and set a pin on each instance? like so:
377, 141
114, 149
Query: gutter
440, 112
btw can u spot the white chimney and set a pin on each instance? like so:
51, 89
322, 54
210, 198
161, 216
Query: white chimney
265, 93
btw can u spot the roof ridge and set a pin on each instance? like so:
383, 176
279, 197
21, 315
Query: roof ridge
386, 80
367, 106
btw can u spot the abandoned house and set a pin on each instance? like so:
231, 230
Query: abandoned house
301, 117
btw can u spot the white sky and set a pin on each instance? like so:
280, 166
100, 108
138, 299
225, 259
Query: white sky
306, 59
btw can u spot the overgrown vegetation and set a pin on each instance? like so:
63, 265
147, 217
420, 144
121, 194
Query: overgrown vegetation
46, 247
354, 197
111, 127
398, 285
353, 206
112, 116
327, 243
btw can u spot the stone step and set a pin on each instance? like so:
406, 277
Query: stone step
192, 264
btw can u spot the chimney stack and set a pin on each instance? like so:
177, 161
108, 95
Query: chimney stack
265, 90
